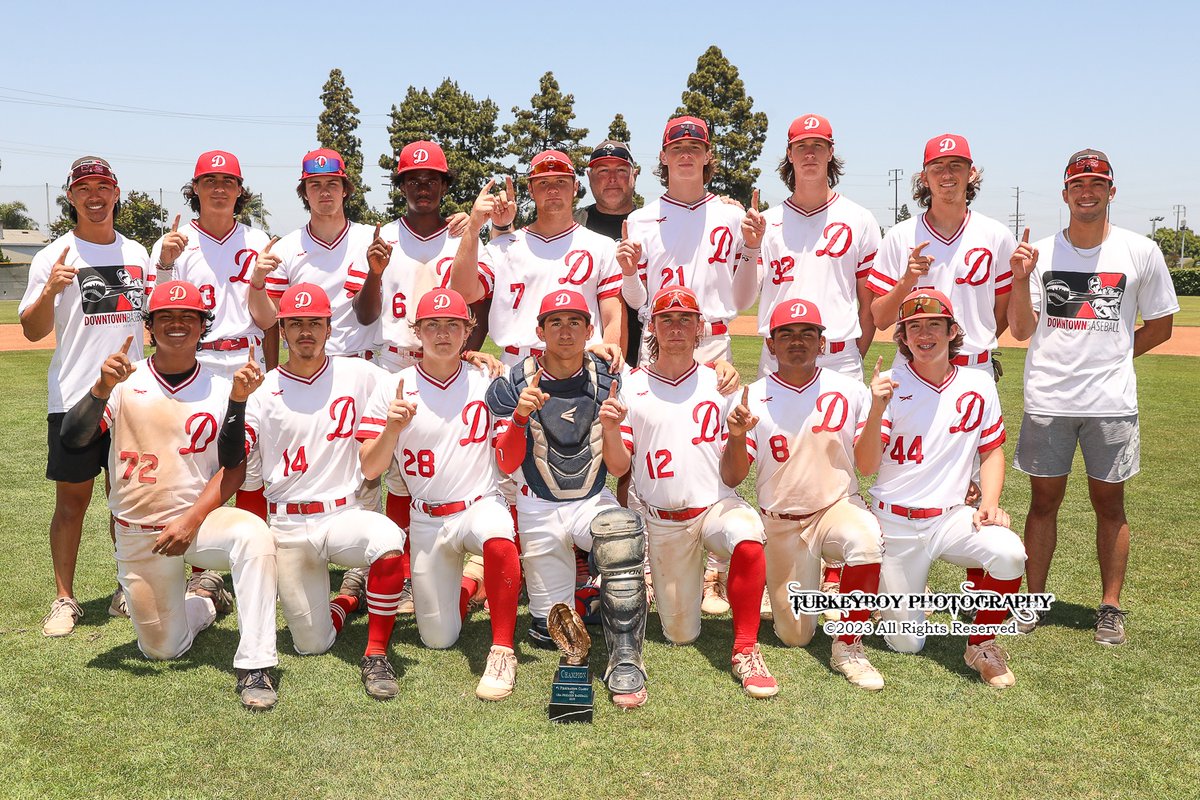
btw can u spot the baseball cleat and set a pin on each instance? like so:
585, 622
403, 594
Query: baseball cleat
833, 587
473, 570
210, 584
64, 613
500, 674
851, 661
256, 689
539, 634
764, 608
119, 606
637, 699
1037, 622
378, 677
751, 670
1110, 626
354, 584
406, 599
716, 600
991, 662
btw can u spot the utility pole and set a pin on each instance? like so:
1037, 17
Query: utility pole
48, 220
894, 178
1180, 210
1016, 217
1154, 225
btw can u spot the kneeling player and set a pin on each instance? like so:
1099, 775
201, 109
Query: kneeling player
674, 427
301, 430
800, 423
171, 472
433, 419
552, 448
937, 418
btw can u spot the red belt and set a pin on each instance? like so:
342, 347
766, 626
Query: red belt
966, 361
225, 345
837, 347
135, 525
367, 355
789, 517
409, 353
315, 507
718, 328
677, 514
516, 351
911, 513
443, 509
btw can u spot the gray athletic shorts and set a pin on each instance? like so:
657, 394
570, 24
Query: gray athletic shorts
1111, 446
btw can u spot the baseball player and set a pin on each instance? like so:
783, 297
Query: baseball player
688, 237
817, 245
951, 248
178, 452
927, 421
551, 253
88, 287
330, 251
550, 442
434, 420
1079, 294
672, 434
800, 423
300, 428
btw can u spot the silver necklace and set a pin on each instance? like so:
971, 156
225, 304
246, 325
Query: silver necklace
1080, 253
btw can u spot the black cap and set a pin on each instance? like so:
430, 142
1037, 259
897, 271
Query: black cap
611, 148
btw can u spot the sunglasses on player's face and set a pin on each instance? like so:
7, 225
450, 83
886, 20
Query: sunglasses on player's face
1089, 166
551, 166
322, 166
93, 169
685, 130
925, 306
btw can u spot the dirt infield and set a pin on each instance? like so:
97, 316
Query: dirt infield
1183, 342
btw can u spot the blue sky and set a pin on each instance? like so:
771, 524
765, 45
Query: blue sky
1026, 83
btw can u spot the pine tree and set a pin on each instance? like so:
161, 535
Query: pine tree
336, 130
545, 125
717, 95
464, 127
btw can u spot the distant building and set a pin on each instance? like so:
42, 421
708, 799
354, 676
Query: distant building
21, 246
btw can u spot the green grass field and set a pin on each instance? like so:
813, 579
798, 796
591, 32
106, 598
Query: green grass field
87, 717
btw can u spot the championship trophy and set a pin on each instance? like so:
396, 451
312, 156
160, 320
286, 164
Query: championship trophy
571, 697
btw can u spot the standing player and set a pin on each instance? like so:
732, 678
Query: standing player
178, 453
330, 251
959, 252
218, 254
552, 253
817, 245
928, 419
301, 431
433, 419
1078, 294
672, 436
688, 237
800, 423
88, 288
552, 448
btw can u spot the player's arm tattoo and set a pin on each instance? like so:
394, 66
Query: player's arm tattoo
231, 441
81, 425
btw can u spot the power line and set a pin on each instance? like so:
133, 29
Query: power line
1017, 218
895, 179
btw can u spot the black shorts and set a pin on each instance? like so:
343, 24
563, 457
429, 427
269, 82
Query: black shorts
73, 466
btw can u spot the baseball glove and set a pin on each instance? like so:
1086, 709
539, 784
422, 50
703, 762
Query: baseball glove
569, 633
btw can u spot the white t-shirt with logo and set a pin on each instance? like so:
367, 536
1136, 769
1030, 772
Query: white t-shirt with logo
1080, 360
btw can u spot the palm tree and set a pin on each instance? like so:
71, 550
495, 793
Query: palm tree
255, 212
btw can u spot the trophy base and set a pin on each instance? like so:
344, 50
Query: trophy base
572, 698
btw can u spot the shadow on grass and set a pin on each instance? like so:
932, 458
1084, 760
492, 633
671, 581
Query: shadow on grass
213, 647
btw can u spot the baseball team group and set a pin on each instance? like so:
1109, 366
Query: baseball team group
446, 480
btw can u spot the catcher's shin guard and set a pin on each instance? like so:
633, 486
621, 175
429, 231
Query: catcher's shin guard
619, 550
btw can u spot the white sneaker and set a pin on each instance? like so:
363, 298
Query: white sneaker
64, 613
764, 608
851, 660
119, 606
500, 674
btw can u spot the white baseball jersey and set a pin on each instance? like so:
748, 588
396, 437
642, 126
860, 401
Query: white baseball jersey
931, 435
804, 440
164, 442
303, 429
1080, 361
694, 245
339, 267
675, 430
819, 256
525, 267
221, 270
445, 451
95, 314
418, 265
971, 268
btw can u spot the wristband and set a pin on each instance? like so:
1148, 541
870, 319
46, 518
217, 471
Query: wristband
502, 228
519, 420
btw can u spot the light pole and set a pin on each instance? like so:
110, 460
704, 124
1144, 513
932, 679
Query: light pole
1154, 224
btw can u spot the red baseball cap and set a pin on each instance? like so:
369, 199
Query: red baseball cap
90, 167
175, 294
323, 162
304, 300
810, 126
796, 312
925, 304
948, 144
217, 162
674, 298
442, 304
564, 300
681, 128
551, 162
422, 155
